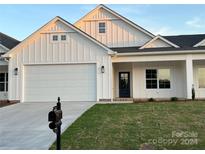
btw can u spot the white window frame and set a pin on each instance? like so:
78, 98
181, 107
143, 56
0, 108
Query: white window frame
157, 69
159, 78
99, 28
198, 77
53, 36
5, 82
150, 79
61, 37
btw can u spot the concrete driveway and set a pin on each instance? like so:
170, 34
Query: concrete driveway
25, 125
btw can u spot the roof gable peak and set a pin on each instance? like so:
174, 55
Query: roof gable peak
58, 18
118, 16
162, 39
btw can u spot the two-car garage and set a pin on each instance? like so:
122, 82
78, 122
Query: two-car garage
42, 68
71, 82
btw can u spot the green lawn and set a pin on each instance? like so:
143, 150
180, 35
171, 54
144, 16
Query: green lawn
127, 126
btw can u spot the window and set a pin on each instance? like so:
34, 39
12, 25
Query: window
164, 78
55, 37
63, 37
201, 77
151, 79
101, 27
3, 82
159, 77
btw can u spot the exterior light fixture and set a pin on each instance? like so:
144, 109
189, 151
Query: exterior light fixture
15, 71
102, 69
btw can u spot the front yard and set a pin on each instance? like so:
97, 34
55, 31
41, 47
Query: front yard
173, 125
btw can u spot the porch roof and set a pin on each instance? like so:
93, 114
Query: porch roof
162, 49
185, 42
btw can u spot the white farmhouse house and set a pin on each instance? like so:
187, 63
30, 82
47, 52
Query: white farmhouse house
104, 57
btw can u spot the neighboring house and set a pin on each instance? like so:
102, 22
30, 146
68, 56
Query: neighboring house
104, 56
6, 43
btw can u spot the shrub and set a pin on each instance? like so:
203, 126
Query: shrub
174, 99
151, 99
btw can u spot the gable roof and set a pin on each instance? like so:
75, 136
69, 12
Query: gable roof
7, 42
119, 16
200, 43
161, 38
185, 41
68, 24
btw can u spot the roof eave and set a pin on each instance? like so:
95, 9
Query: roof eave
161, 52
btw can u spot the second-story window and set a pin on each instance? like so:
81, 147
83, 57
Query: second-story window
63, 37
55, 37
101, 27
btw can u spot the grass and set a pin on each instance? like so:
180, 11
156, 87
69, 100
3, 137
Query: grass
128, 126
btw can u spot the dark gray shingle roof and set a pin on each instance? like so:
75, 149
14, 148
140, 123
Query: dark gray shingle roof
185, 41
8, 41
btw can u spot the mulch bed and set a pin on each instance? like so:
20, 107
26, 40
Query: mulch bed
6, 103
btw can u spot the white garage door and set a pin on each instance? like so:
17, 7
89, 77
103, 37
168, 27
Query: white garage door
75, 82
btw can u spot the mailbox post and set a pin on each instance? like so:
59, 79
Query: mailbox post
58, 133
55, 117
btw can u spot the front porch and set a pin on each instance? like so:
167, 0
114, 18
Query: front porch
158, 79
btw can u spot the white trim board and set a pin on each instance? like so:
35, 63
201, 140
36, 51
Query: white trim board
161, 38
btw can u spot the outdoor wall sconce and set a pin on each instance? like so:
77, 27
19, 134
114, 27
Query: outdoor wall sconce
102, 69
15, 71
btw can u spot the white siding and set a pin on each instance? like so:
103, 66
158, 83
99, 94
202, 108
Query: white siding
41, 50
157, 43
118, 32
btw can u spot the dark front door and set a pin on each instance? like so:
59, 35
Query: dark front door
124, 84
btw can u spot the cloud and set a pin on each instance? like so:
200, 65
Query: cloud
131, 10
195, 22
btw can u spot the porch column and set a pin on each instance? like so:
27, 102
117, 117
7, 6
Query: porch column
189, 76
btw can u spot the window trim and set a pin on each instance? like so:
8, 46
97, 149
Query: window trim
145, 84
150, 79
6, 81
198, 77
159, 78
61, 37
104, 27
53, 37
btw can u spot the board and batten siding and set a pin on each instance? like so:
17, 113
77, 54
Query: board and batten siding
158, 44
40, 49
118, 32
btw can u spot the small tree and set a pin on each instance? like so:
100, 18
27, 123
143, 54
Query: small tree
193, 93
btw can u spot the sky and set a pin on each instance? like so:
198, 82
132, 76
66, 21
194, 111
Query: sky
19, 21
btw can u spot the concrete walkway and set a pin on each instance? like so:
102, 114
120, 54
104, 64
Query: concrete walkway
25, 125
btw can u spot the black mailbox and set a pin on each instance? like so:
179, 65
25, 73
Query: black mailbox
52, 116
52, 125
59, 115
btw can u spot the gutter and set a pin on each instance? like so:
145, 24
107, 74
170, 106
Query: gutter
161, 53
